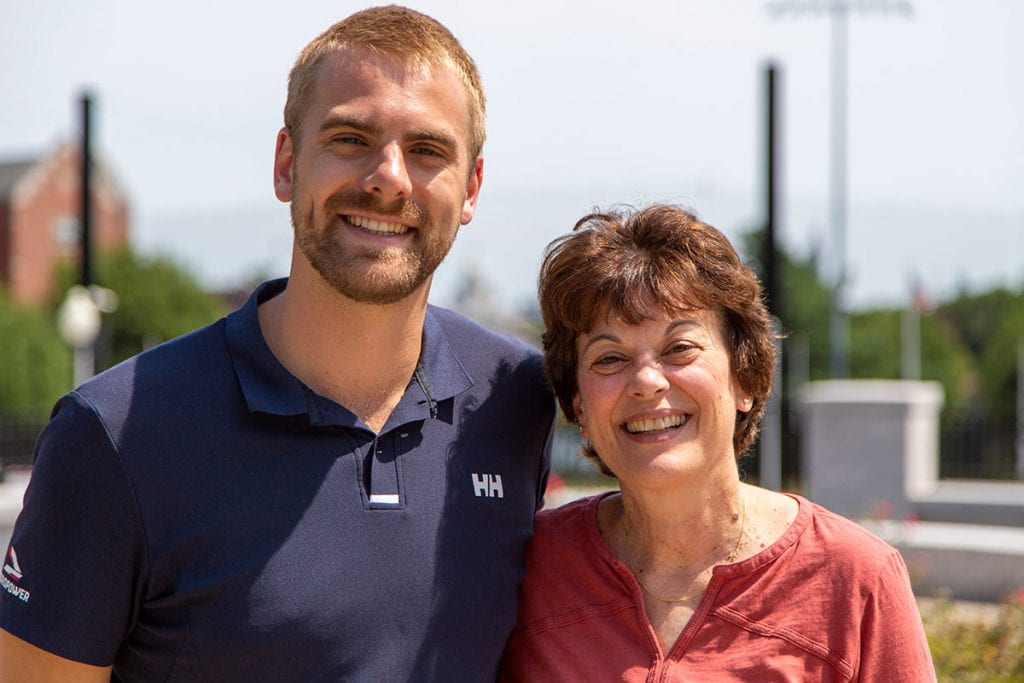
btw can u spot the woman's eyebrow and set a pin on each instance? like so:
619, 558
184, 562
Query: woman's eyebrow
683, 322
608, 336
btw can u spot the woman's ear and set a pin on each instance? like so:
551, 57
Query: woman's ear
577, 408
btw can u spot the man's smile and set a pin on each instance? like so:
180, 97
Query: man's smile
377, 227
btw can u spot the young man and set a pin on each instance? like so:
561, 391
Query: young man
335, 482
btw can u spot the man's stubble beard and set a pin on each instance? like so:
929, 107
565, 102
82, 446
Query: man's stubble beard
374, 276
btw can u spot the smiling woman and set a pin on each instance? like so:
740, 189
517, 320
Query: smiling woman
660, 349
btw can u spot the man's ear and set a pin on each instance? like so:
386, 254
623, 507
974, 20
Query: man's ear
284, 161
476, 179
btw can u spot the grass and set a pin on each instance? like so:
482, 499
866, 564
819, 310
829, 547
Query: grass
976, 650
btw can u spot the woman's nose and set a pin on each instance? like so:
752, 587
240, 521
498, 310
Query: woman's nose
648, 379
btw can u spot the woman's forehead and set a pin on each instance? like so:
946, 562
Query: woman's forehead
613, 317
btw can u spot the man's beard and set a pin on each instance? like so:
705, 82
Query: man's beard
381, 275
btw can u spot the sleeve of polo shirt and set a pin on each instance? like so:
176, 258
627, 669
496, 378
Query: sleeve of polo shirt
893, 643
77, 550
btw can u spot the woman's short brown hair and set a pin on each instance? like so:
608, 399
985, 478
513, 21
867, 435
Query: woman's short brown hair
620, 263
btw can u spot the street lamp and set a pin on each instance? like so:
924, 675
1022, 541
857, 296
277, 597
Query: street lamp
78, 322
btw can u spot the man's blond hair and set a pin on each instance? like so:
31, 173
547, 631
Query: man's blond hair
399, 32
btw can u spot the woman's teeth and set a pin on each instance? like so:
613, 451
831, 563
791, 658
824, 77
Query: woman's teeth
656, 425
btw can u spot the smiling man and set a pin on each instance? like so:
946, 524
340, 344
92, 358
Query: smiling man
335, 482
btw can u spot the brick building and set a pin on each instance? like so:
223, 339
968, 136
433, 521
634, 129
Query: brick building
39, 220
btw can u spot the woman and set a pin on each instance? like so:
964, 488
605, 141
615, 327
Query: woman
660, 349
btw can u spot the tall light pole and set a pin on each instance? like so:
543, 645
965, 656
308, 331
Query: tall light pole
838, 11
79, 316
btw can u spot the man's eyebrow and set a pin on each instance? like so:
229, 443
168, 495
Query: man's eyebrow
434, 136
340, 121
357, 123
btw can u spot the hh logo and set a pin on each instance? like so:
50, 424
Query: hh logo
488, 486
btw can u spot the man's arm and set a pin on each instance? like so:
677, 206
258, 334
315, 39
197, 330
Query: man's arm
24, 663
77, 549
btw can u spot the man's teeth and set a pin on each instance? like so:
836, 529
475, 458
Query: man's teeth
655, 425
377, 227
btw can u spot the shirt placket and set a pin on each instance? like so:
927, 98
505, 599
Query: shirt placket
385, 481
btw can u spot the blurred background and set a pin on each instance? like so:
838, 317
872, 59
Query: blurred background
891, 234
897, 209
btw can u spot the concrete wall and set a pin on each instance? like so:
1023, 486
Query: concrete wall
871, 453
871, 446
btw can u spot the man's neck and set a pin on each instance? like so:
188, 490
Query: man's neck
359, 355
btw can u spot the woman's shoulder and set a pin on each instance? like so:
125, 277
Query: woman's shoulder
566, 524
841, 546
843, 531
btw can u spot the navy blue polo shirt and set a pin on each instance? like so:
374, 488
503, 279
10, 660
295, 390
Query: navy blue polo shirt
197, 513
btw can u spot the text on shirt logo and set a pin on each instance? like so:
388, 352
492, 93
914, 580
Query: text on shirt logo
487, 486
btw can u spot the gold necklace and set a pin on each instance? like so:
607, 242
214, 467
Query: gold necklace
730, 558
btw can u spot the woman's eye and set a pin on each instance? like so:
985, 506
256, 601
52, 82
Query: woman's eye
680, 349
608, 361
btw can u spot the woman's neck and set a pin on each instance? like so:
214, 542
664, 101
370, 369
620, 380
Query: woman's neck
681, 531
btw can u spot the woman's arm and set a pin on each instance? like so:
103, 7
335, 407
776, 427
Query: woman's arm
893, 642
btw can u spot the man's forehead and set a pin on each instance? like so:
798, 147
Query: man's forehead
355, 64
348, 74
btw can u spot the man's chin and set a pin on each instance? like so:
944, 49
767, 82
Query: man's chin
369, 287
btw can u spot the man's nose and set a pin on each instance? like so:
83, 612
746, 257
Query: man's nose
648, 379
389, 177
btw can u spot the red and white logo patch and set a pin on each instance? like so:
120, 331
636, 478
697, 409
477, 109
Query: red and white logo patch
12, 569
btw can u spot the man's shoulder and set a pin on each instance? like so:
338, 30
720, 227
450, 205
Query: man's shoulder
162, 374
465, 334
484, 352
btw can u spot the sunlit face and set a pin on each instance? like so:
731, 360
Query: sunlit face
658, 400
381, 180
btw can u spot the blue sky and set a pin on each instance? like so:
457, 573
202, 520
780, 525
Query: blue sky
590, 103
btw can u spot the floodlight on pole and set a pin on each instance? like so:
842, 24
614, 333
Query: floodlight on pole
837, 11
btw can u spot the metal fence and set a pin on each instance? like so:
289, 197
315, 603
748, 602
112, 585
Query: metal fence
17, 438
978, 447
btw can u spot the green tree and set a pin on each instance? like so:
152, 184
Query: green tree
875, 348
804, 301
999, 358
992, 326
36, 365
876, 352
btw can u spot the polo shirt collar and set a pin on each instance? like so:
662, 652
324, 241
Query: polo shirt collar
269, 388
